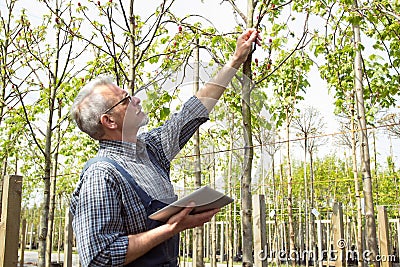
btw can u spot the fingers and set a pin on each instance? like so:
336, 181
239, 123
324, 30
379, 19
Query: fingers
250, 34
253, 36
248, 37
207, 214
184, 220
204, 217
182, 214
186, 210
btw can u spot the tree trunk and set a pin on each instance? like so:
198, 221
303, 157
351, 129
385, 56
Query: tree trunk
246, 203
356, 189
375, 165
60, 230
292, 244
275, 245
365, 157
48, 159
306, 213
312, 221
46, 191
213, 254
231, 187
53, 183
198, 231
246, 198
214, 232
132, 49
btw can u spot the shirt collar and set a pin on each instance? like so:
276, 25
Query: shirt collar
118, 148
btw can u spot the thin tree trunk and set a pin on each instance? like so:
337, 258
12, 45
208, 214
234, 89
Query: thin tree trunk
50, 222
46, 192
312, 220
213, 254
214, 231
356, 189
276, 207
246, 198
60, 230
292, 243
231, 187
198, 231
52, 206
375, 165
45, 243
132, 49
306, 213
365, 157
247, 166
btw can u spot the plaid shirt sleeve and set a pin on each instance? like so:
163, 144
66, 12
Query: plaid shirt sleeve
170, 138
97, 219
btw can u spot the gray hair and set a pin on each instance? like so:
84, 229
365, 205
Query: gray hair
89, 106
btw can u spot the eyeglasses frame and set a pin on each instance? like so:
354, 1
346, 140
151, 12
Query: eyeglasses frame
127, 96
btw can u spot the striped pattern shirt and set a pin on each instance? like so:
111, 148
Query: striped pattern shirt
106, 209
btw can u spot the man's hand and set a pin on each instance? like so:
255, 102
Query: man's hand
244, 45
184, 220
140, 244
213, 90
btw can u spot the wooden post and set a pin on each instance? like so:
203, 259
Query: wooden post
397, 222
339, 243
383, 227
23, 243
259, 230
398, 237
10, 220
68, 238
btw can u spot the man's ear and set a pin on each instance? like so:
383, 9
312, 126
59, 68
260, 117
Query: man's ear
108, 121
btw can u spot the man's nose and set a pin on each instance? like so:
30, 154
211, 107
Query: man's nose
135, 100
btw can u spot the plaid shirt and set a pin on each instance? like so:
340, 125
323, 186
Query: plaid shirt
106, 209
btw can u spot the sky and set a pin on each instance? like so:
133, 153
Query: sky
221, 15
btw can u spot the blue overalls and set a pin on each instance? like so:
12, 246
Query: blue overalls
163, 255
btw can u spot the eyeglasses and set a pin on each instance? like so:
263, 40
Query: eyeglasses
126, 97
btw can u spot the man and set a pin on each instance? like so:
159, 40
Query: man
129, 178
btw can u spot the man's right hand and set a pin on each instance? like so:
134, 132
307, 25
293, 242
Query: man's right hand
184, 220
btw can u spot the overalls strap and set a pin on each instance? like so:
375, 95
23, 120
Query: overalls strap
163, 255
145, 198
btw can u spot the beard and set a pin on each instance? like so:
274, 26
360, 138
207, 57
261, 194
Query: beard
145, 121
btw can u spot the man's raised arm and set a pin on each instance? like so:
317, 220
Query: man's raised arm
212, 90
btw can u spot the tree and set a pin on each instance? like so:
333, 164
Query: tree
374, 85
259, 9
350, 137
270, 140
198, 257
391, 122
9, 63
48, 57
289, 84
309, 125
364, 154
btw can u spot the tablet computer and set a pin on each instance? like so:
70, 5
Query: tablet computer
205, 199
